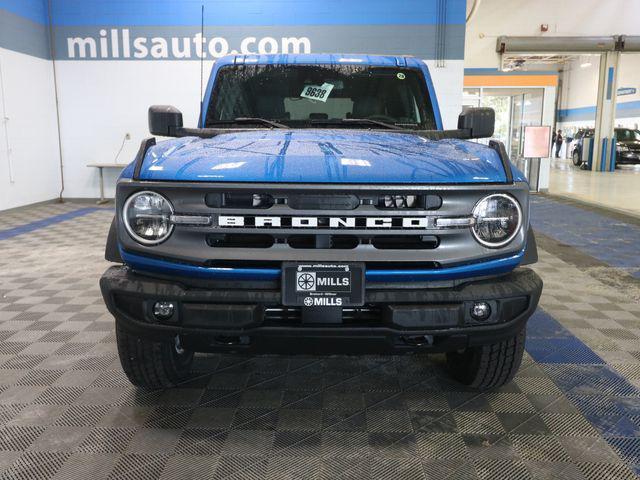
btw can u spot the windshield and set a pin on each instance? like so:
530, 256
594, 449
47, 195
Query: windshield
627, 135
321, 95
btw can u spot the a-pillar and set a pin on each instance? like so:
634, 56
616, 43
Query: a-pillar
604, 143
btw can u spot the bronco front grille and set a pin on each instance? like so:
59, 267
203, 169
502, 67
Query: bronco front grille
259, 220
323, 242
224, 223
323, 202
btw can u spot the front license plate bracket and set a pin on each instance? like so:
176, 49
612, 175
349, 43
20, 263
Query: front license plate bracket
323, 285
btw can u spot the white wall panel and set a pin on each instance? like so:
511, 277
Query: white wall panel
102, 101
30, 106
447, 81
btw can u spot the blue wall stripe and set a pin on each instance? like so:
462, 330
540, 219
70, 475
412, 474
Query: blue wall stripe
331, 25
603, 154
496, 71
24, 35
389, 39
46, 222
612, 157
255, 12
623, 110
610, 83
232, 12
34, 10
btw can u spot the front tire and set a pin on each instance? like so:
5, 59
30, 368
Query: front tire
152, 365
488, 366
576, 159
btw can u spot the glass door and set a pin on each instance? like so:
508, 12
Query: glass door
502, 107
516, 126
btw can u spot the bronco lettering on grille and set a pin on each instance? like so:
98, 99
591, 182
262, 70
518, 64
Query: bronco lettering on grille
322, 222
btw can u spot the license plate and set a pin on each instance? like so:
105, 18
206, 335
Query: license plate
323, 285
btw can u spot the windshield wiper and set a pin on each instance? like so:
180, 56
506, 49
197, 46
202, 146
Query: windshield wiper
254, 120
361, 121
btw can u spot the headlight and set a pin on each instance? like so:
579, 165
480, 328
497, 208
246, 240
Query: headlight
498, 218
147, 217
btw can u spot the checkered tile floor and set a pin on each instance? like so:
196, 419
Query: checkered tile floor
604, 237
68, 412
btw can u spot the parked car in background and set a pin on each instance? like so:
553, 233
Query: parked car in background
627, 146
576, 145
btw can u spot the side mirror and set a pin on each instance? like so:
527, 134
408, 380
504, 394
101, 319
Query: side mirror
164, 120
479, 122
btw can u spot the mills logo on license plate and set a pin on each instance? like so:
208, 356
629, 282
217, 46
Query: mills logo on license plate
323, 285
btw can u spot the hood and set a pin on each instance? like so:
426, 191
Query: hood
322, 156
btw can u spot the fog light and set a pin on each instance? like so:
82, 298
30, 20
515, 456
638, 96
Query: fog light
163, 310
480, 311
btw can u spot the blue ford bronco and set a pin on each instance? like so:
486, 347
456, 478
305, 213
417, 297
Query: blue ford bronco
320, 207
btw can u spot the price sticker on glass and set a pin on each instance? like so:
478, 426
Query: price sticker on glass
317, 92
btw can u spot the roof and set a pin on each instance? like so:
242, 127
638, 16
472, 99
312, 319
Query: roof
321, 59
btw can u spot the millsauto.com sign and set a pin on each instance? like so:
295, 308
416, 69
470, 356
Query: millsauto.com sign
188, 43
120, 43
171, 29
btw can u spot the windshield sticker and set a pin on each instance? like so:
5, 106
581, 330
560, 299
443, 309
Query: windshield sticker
401, 76
317, 92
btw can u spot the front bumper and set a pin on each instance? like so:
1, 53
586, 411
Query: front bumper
249, 316
627, 158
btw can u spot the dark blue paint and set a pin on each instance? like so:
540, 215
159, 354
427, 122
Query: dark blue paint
602, 237
45, 222
491, 267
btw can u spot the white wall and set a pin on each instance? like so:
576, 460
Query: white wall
580, 85
102, 101
29, 100
580, 82
629, 72
524, 17
448, 81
